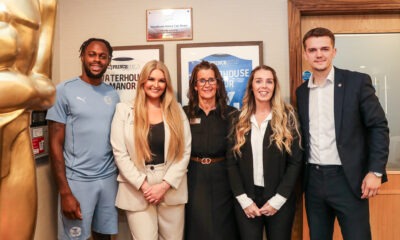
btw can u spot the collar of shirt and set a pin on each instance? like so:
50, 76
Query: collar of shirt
264, 123
216, 110
330, 78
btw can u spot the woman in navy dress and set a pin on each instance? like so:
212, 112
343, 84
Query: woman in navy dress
209, 211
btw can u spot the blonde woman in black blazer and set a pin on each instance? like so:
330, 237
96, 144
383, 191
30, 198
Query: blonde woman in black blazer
266, 160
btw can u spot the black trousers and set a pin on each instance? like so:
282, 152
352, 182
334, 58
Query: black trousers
328, 195
277, 227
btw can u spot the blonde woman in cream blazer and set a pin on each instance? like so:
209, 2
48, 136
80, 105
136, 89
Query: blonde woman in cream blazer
149, 217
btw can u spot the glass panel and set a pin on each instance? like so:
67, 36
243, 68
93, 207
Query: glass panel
377, 55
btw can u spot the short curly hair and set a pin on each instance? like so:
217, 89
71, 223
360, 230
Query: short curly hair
86, 43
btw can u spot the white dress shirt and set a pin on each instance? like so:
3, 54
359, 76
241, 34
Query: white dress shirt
323, 149
257, 137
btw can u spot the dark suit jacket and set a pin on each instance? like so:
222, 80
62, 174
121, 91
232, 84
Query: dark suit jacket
281, 170
362, 133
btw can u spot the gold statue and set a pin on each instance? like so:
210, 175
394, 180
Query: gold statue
26, 40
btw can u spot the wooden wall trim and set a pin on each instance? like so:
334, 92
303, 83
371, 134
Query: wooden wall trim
389, 192
295, 49
317, 7
299, 8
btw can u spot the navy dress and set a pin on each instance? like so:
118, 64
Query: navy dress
209, 211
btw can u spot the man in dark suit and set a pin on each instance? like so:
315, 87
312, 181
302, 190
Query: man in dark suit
346, 142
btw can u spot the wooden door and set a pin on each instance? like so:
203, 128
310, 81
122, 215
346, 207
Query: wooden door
352, 16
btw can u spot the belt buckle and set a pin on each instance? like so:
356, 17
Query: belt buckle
205, 161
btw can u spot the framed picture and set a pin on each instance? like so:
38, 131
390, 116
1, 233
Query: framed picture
235, 60
126, 64
169, 24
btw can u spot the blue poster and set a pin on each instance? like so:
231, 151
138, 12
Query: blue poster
235, 72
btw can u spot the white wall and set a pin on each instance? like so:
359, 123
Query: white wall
123, 22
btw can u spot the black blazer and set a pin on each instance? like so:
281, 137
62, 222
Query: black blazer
362, 133
281, 170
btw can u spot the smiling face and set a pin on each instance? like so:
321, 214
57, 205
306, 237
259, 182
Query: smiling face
319, 53
263, 86
206, 84
155, 85
95, 61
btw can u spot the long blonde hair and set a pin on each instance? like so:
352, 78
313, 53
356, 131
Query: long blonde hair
171, 113
284, 122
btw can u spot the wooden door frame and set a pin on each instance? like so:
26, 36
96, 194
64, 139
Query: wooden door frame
299, 8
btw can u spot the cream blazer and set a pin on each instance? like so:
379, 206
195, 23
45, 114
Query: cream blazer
131, 177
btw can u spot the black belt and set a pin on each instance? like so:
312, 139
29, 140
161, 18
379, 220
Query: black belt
324, 167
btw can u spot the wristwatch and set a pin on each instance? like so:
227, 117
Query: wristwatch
379, 175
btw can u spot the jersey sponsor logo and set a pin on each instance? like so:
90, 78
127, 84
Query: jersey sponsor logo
108, 100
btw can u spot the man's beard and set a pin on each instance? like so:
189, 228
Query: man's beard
95, 76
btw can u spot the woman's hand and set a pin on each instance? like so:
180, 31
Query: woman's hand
268, 210
252, 211
155, 193
145, 186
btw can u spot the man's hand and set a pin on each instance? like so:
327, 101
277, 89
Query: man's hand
370, 185
70, 206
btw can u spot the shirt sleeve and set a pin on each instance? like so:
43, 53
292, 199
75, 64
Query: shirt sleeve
60, 110
277, 201
244, 200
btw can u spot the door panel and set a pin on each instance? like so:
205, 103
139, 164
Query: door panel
366, 23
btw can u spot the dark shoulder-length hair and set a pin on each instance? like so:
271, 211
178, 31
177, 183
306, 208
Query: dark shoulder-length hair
221, 97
